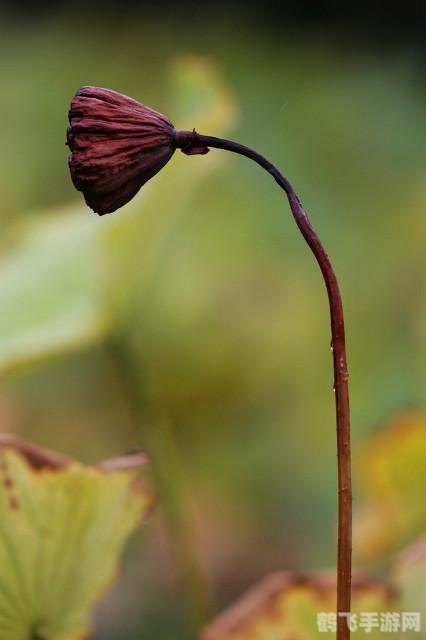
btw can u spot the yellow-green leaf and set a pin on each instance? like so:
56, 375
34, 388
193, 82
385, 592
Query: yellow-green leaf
391, 470
62, 527
286, 607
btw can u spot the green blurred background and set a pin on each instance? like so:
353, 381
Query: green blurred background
194, 323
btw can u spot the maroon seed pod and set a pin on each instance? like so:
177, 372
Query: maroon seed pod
117, 144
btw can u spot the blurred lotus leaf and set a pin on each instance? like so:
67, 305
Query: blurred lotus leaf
285, 607
48, 290
60, 282
409, 576
138, 237
200, 98
391, 471
62, 526
68, 280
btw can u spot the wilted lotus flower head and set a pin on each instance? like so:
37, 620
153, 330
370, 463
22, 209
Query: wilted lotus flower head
117, 144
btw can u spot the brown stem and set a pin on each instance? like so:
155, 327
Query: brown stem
192, 142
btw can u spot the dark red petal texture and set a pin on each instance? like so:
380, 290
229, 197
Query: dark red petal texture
117, 144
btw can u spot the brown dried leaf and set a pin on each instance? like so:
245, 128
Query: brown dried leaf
284, 606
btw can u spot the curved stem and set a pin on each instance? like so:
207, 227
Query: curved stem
192, 142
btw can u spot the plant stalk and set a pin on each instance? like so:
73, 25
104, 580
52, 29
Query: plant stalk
192, 142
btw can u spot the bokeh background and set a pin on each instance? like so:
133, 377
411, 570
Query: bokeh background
194, 322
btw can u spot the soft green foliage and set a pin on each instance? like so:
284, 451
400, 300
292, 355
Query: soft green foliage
61, 284
49, 289
62, 526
